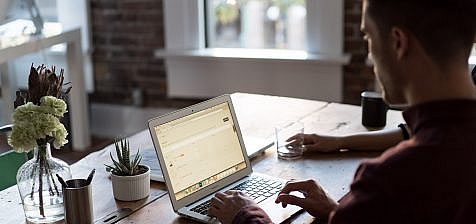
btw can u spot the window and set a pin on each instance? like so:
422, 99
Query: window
277, 24
185, 27
199, 65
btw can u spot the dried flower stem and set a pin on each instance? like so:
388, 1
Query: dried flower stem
51, 181
40, 188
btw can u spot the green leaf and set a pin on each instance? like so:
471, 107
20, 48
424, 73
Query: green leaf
123, 165
125, 153
110, 168
118, 152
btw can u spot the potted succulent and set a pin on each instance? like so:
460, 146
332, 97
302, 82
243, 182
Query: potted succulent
130, 179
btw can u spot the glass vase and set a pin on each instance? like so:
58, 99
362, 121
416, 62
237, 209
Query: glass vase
40, 191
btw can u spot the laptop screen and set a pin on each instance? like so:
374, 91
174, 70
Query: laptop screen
200, 149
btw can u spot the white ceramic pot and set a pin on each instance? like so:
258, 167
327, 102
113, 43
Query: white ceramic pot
131, 188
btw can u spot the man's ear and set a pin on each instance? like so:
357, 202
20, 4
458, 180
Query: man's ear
399, 42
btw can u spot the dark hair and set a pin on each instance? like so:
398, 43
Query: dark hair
445, 28
473, 74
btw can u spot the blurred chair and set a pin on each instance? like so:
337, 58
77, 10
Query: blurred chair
10, 161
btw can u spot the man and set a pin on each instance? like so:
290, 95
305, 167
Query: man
420, 50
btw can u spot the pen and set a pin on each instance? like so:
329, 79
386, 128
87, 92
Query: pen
90, 177
61, 181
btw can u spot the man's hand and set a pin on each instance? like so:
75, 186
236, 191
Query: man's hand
319, 143
226, 205
315, 201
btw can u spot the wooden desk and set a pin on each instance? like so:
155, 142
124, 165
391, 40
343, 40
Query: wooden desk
257, 115
78, 105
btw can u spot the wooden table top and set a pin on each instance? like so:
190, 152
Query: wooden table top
257, 115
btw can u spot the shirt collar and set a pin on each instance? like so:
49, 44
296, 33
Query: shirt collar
445, 110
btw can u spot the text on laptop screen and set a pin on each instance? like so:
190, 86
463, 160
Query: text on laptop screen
200, 149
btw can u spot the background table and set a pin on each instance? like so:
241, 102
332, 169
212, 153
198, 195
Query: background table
257, 115
78, 97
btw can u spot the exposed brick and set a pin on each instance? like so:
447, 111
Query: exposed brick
101, 71
357, 76
151, 16
103, 3
120, 30
139, 5
129, 16
358, 59
352, 32
354, 8
355, 46
125, 40
353, 18
136, 28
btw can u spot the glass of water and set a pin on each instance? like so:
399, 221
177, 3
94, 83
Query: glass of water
286, 148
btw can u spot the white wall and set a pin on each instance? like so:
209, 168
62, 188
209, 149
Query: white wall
309, 80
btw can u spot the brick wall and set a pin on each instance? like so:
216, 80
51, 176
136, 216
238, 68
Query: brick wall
126, 32
357, 76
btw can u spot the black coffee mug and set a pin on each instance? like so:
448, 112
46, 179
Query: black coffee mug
374, 109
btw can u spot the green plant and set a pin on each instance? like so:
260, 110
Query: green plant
124, 166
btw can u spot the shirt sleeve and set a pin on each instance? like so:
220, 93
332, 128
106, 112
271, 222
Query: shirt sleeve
368, 201
251, 214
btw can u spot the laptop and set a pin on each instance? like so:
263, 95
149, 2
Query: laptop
255, 146
149, 158
201, 151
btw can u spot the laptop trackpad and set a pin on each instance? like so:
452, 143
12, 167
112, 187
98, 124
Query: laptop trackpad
276, 212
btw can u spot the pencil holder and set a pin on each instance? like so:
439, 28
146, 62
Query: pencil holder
78, 203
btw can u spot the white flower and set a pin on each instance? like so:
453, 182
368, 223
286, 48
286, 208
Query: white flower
53, 105
32, 122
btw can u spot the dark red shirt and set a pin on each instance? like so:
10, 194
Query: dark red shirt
430, 178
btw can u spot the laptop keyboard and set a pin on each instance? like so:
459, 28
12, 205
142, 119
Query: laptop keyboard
257, 188
202, 208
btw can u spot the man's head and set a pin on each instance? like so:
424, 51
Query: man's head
443, 30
